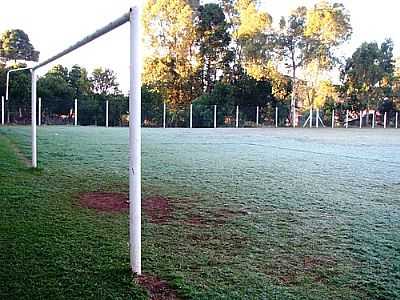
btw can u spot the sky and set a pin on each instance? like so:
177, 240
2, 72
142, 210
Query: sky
53, 25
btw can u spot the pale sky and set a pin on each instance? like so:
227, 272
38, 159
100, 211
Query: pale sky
53, 25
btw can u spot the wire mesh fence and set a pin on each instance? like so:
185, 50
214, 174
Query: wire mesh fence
115, 113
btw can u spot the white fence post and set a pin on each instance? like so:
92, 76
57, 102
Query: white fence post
106, 113
76, 112
333, 118
191, 115
317, 119
33, 117
385, 120
164, 115
347, 118
276, 117
39, 111
373, 120
360, 119
215, 116
135, 102
311, 117
2, 110
237, 116
294, 116
397, 119
258, 111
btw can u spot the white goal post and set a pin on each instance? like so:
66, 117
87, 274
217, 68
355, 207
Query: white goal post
133, 16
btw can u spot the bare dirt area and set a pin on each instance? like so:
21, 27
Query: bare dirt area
158, 289
158, 209
105, 201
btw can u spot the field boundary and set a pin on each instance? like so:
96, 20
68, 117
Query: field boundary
20, 155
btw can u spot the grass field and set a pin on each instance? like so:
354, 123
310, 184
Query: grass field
254, 214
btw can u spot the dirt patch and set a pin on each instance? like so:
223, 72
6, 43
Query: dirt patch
157, 208
105, 202
290, 272
158, 289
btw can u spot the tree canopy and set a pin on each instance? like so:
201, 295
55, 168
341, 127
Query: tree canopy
15, 45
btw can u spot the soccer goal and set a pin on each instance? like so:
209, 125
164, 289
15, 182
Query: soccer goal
133, 17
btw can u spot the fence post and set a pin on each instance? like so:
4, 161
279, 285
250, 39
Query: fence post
373, 120
317, 119
76, 112
311, 115
276, 117
191, 115
294, 116
215, 116
384, 120
333, 118
258, 110
397, 119
360, 119
39, 111
347, 118
2, 110
164, 114
237, 116
33, 117
106, 113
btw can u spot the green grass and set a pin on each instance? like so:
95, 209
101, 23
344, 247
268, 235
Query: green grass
322, 214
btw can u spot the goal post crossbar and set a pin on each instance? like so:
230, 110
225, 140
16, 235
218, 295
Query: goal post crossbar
111, 26
133, 17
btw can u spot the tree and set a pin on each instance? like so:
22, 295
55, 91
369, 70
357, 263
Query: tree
368, 74
54, 88
104, 82
213, 41
328, 26
170, 33
79, 81
292, 45
247, 24
311, 37
15, 45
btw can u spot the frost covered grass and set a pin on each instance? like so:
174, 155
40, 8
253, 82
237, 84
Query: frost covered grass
256, 213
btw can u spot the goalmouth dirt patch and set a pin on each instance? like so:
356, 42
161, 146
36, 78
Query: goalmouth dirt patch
158, 289
105, 202
158, 209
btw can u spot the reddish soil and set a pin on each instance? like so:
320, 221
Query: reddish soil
158, 289
157, 208
105, 202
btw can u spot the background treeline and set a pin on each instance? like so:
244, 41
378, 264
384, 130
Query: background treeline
226, 53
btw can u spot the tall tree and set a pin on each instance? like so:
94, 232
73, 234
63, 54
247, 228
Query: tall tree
292, 45
79, 81
15, 45
328, 26
368, 74
246, 23
170, 33
213, 41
